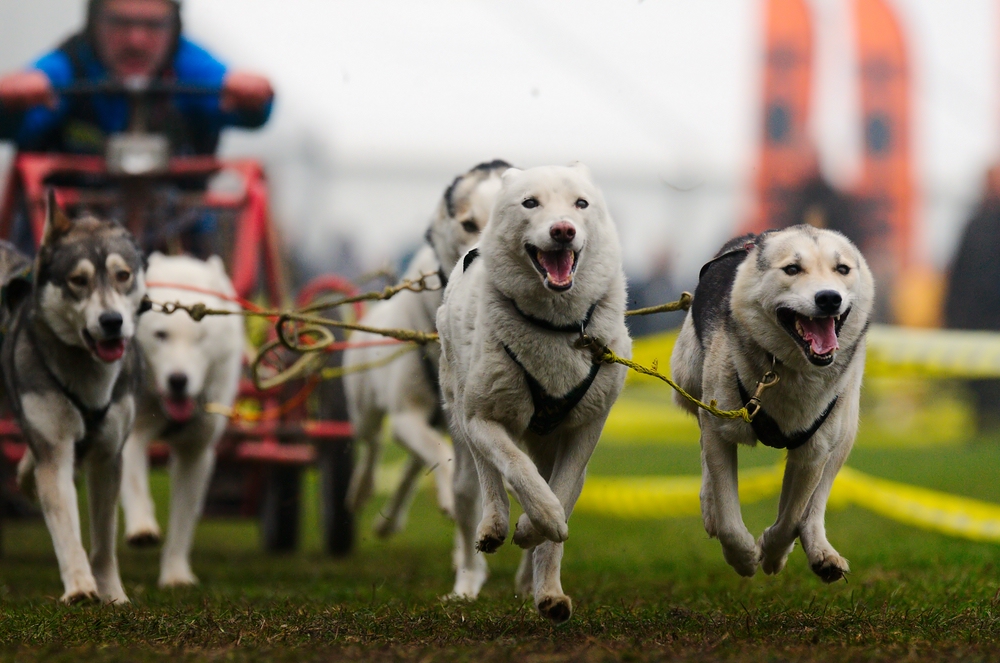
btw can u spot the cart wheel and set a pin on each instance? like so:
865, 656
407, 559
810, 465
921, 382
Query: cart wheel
279, 519
336, 462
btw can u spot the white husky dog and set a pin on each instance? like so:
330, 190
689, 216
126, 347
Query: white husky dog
526, 402
794, 302
188, 364
407, 388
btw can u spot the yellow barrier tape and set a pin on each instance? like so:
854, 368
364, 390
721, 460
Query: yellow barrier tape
646, 497
892, 352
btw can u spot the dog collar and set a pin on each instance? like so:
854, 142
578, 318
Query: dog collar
550, 411
574, 328
766, 429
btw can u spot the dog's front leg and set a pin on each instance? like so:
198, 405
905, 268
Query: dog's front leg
495, 520
141, 528
104, 475
803, 470
392, 518
57, 496
190, 473
720, 485
493, 445
470, 565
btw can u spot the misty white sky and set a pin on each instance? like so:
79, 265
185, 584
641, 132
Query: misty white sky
381, 102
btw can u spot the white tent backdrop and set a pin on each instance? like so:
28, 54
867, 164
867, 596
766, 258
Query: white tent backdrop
382, 102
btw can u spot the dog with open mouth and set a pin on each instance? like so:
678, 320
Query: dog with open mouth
777, 324
188, 365
406, 389
526, 399
70, 371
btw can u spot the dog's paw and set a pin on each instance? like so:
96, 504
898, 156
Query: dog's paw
831, 567
177, 578
525, 534
548, 518
81, 596
468, 582
773, 555
144, 539
741, 552
492, 531
556, 608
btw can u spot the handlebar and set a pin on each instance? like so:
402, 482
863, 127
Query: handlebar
135, 87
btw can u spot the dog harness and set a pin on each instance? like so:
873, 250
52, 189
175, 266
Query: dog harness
766, 429
549, 410
92, 417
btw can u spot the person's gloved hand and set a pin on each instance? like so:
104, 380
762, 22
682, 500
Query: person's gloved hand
25, 89
245, 90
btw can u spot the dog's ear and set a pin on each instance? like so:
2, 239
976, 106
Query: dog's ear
222, 282
15, 291
581, 167
56, 221
510, 173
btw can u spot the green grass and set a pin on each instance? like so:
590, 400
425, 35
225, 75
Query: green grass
642, 590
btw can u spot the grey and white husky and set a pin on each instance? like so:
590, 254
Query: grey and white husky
407, 388
71, 372
797, 303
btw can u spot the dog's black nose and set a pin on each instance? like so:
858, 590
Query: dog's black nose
111, 323
828, 301
178, 383
563, 232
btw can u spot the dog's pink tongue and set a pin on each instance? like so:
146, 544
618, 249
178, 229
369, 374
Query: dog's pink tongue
821, 334
110, 351
558, 265
179, 409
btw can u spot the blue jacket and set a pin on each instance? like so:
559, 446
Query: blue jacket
80, 124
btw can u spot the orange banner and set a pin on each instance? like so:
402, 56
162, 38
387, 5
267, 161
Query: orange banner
887, 189
787, 157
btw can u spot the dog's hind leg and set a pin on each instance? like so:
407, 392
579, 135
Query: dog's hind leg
141, 528
104, 475
190, 473
392, 518
413, 431
367, 427
524, 578
720, 484
470, 565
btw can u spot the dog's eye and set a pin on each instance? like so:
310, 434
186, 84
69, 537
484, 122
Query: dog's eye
160, 335
582, 204
122, 276
791, 270
470, 226
530, 203
79, 281
843, 270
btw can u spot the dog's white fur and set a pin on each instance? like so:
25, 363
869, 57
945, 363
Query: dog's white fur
486, 393
210, 354
402, 389
743, 345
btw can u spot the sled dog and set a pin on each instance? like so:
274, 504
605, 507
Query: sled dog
70, 371
188, 365
794, 304
407, 388
525, 401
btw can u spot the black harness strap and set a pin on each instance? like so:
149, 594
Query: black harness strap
550, 411
769, 433
552, 327
92, 417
